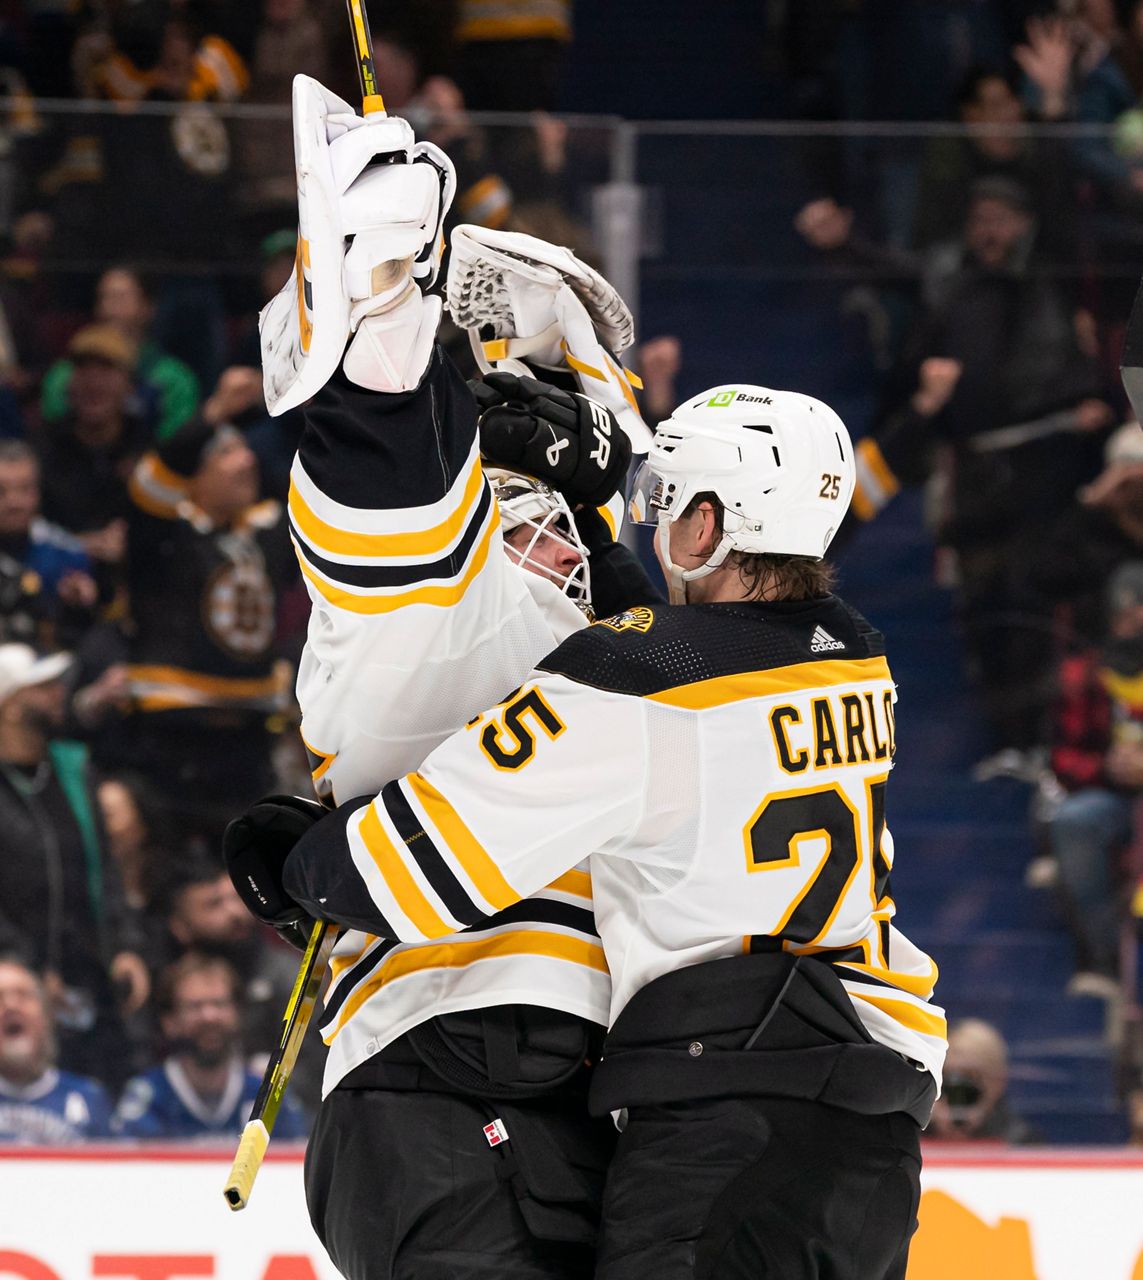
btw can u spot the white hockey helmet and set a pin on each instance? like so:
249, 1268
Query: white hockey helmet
525, 502
781, 464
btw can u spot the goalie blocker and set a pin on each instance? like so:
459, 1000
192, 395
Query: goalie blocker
369, 183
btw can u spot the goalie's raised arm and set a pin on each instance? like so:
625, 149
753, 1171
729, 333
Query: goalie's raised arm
371, 205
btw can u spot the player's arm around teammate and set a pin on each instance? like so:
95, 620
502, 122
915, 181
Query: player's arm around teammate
773, 1041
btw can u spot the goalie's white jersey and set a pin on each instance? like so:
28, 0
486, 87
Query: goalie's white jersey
727, 764
419, 621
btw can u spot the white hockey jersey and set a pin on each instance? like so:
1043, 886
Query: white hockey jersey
419, 621
725, 765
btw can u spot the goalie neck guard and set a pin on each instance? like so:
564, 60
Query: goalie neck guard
547, 542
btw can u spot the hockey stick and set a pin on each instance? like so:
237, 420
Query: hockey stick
371, 100
256, 1134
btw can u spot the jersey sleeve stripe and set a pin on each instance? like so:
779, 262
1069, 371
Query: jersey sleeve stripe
353, 970
468, 851
420, 846
156, 489
907, 1014
440, 596
398, 575
334, 539
576, 882
800, 677
461, 953
406, 892
920, 985
544, 911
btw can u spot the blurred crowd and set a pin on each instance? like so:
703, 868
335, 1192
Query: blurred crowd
150, 612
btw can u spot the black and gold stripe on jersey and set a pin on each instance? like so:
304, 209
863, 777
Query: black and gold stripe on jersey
557, 924
403, 865
386, 582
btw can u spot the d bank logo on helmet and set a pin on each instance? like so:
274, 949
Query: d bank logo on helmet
726, 398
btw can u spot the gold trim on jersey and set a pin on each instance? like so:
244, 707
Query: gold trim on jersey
460, 954
921, 985
162, 688
156, 489
480, 868
399, 880
923, 1021
439, 595
801, 677
575, 882
426, 544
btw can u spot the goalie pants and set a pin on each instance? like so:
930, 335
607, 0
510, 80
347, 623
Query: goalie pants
760, 1189
403, 1184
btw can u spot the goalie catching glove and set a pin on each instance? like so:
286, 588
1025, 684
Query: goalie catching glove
371, 206
521, 299
255, 848
570, 442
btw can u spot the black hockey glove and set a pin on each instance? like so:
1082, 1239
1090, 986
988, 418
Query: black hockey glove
255, 848
568, 441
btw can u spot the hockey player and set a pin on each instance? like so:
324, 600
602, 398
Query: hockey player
773, 1047
420, 619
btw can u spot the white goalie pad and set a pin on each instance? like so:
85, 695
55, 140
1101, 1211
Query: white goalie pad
388, 213
539, 300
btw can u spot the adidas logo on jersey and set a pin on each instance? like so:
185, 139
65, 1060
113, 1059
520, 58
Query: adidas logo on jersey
822, 642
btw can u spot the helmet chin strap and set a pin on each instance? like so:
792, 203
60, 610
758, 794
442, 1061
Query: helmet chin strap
677, 577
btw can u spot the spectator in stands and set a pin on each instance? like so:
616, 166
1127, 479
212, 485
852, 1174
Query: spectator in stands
61, 903
1097, 756
88, 456
511, 53
1109, 76
47, 592
973, 1106
289, 42
987, 102
168, 179
1101, 530
204, 914
40, 1104
124, 298
157, 46
206, 570
202, 1089
1000, 377
135, 836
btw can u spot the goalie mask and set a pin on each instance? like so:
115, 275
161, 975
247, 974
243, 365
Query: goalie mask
780, 463
540, 533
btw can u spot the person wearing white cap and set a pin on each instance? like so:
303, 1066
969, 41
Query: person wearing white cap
61, 903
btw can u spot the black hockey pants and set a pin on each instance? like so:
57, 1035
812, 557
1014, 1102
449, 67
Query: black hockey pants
760, 1189
403, 1183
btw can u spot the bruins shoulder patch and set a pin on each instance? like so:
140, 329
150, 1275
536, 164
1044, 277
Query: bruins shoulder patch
637, 619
